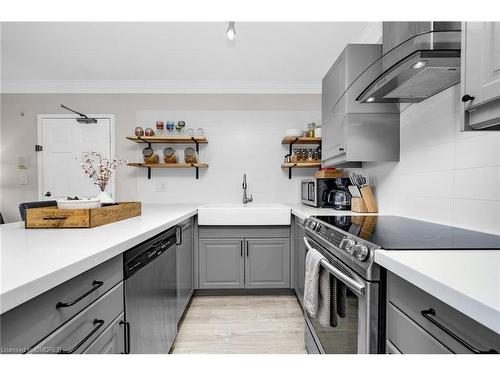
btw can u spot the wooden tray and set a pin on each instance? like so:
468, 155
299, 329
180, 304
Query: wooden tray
53, 217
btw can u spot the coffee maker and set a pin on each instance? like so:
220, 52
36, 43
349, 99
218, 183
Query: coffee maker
339, 197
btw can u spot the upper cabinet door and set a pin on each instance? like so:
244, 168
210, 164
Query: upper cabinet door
481, 74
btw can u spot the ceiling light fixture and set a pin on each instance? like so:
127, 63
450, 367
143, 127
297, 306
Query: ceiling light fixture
419, 64
370, 99
231, 31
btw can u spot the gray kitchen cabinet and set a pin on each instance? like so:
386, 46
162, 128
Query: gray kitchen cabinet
355, 132
111, 341
27, 324
480, 83
74, 336
267, 263
300, 258
185, 266
221, 263
419, 323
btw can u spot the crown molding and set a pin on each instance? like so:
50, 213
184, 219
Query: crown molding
157, 87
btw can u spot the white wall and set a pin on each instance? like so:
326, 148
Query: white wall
239, 142
443, 175
224, 117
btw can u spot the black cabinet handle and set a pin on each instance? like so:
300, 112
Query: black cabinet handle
247, 247
98, 324
179, 235
95, 285
467, 98
341, 149
126, 326
429, 315
241, 248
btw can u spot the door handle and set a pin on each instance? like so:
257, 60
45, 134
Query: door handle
98, 324
430, 313
347, 280
178, 235
126, 327
95, 285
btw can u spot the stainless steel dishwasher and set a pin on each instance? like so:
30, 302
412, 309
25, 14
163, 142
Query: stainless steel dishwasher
151, 294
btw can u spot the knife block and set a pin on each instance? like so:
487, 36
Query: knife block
358, 205
369, 199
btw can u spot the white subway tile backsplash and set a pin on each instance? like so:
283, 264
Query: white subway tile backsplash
444, 175
477, 183
480, 151
477, 215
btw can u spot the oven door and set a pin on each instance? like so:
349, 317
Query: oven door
357, 331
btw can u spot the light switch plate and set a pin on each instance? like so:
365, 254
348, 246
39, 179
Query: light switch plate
23, 162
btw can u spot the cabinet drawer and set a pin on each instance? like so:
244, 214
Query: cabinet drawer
408, 337
75, 335
413, 302
27, 324
111, 341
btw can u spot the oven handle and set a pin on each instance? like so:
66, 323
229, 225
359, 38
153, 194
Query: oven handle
349, 281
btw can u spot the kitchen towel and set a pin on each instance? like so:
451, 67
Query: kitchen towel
311, 287
333, 301
324, 299
341, 299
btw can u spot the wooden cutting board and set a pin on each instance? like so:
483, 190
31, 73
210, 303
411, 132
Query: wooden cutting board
53, 217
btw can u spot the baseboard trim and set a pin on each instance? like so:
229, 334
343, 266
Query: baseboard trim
243, 292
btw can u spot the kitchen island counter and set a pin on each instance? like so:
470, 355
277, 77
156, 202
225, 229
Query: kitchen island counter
32, 261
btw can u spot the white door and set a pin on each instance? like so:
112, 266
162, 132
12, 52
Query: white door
64, 142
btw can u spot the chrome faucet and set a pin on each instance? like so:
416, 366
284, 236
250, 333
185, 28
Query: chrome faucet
246, 198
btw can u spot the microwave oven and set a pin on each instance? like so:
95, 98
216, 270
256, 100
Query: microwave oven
316, 191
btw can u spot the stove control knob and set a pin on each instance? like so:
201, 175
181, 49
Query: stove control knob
360, 252
349, 246
313, 225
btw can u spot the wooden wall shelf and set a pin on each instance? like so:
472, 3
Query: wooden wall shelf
169, 139
290, 166
300, 141
197, 166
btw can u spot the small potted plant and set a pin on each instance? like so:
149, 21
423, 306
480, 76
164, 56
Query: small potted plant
100, 170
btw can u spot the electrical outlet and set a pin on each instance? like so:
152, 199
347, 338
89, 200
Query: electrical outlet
161, 187
23, 179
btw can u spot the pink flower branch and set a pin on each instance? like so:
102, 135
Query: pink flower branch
100, 169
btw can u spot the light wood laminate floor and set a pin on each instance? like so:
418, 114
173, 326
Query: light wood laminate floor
241, 325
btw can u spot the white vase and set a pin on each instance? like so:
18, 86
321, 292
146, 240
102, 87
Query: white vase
104, 198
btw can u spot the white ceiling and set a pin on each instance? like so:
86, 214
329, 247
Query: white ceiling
173, 57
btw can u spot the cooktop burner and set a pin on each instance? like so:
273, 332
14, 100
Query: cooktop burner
399, 233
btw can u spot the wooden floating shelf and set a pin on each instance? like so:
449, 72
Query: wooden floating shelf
172, 165
196, 166
300, 140
169, 139
301, 165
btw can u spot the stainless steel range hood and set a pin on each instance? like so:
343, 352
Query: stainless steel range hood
419, 60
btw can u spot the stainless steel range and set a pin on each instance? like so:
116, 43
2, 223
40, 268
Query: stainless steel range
349, 258
348, 244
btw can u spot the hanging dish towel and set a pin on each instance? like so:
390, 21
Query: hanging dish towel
311, 287
324, 300
333, 301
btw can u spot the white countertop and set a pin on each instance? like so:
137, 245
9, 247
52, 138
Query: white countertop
36, 260
467, 280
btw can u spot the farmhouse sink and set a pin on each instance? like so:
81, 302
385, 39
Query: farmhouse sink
244, 214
